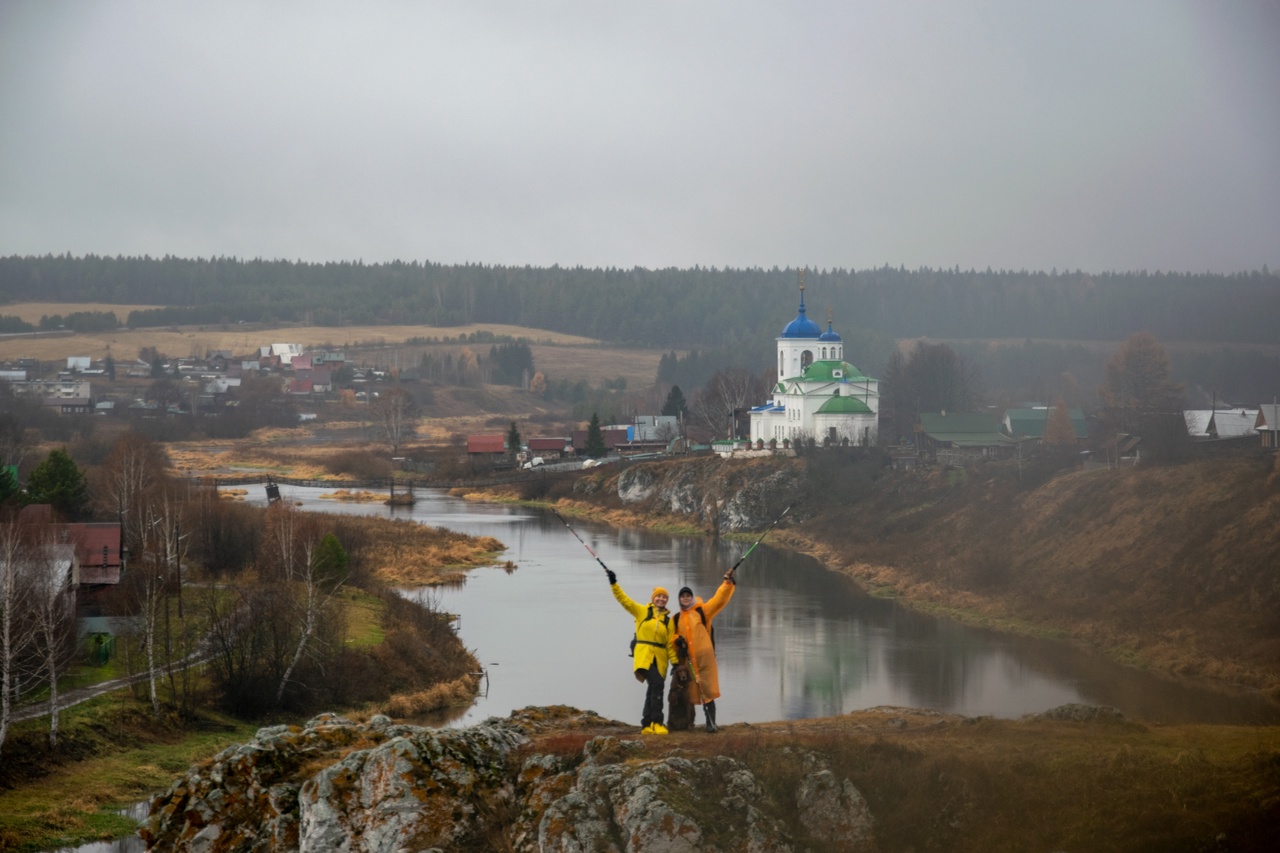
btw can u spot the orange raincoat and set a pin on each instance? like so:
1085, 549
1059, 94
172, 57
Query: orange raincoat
689, 624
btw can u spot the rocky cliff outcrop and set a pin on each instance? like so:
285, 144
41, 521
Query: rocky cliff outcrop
543, 779
726, 498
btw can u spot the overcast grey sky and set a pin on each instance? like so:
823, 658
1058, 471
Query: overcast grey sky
1092, 134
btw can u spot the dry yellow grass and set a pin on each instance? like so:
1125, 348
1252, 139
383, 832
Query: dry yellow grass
197, 341
405, 553
437, 698
355, 497
265, 451
31, 312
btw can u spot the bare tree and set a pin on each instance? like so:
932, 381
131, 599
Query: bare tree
14, 557
52, 606
1137, 383
395, 410
300, 578
134, 469
312, 603
148, 581
727, 392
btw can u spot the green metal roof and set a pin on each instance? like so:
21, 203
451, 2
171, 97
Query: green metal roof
963, 429
842, 405
825, 371
1031, 422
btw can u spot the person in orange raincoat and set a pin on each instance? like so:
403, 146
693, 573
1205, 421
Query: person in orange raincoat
693, 623
653, 649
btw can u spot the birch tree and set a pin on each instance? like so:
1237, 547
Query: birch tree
396, 411
305, 580
52, 607
13, 602
134, 468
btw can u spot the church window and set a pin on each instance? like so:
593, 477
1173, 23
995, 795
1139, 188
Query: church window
806, 359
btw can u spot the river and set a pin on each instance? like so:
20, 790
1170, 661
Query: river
797, 640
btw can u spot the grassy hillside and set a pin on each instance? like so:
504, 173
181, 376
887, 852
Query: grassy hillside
1172, 567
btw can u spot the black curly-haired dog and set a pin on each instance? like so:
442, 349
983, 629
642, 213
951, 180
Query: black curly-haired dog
680, 710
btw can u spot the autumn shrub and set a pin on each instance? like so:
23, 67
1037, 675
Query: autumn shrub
359, 465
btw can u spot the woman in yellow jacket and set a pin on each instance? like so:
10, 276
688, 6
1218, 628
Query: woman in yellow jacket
693, 623
654, 649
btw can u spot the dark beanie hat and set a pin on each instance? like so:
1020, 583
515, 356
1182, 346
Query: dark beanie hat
683, 590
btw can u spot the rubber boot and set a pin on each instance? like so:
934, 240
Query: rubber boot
710, 710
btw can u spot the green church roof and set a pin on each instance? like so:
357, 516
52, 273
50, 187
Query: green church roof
844, 406
831, 371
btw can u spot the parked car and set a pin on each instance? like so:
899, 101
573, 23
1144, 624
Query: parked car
534, 462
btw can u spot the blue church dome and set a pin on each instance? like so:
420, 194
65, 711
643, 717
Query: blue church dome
829, 334
801, 326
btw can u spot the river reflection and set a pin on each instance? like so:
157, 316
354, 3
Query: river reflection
796, 641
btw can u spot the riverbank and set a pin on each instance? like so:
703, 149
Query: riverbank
389, 656
1168, 569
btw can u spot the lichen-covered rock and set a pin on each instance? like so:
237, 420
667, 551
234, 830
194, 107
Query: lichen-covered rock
337, 785
661, 805
834, 812
1077, 712
378, 787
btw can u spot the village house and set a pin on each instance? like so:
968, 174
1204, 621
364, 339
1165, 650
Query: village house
958, 438
614, 439
1268, 425
1222, 426
490, 447
550, 447
321, 378
89, 554
1030, 420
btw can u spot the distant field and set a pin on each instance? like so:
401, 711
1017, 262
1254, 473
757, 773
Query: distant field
186, 341
560, 356
33, 311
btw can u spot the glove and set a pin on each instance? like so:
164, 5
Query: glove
730, 578
612, 577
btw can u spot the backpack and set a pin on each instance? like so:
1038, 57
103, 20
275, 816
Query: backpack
666, 620
711, 629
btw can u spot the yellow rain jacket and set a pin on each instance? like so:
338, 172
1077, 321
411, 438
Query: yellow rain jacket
655, 639
689, 624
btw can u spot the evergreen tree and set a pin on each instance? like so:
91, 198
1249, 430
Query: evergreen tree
595, 438
8, 482
675, 404
513, 439
330, 560
57, 481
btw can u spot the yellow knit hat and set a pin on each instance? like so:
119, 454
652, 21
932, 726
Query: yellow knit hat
659, 590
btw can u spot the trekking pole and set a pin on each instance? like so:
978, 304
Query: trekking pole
579, 538
758, 541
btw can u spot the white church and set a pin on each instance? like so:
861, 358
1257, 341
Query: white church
819, 395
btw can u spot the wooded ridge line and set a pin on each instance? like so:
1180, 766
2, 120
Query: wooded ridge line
701, 307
